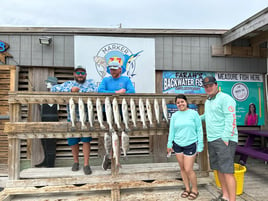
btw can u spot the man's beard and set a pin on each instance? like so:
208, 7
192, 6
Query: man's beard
80, 81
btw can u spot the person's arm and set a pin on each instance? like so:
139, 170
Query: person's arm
130, 88
64, 87
199, 132
246, 119
171, 132
229, 112
257, 120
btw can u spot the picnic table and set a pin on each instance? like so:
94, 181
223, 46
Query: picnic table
248, 149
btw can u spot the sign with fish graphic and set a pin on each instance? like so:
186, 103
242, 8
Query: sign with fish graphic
136, 56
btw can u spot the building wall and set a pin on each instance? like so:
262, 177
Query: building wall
173, 52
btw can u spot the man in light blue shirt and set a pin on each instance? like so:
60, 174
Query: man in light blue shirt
220, 117
79, 84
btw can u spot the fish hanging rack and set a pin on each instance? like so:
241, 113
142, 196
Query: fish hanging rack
64, 129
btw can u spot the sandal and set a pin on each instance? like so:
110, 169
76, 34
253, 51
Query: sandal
193, 195
185, 194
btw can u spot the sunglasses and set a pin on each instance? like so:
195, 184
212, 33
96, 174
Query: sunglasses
80, 73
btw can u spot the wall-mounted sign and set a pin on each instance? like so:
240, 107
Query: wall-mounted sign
3, 52
136, 55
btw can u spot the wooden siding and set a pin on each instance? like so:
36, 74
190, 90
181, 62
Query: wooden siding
7, 74
191, 52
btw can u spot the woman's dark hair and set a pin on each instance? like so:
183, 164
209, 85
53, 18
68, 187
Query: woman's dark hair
181, 96
254, 106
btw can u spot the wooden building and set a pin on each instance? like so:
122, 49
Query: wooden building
27, 64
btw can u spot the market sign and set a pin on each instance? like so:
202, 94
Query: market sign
3, 52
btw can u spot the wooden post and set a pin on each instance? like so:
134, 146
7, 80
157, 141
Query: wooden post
14, 146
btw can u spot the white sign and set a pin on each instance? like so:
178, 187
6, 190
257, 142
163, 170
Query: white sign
137, 56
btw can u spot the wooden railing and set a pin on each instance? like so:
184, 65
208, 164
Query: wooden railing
18, 130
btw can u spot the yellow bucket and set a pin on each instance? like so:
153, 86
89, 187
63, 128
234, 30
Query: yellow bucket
239, 177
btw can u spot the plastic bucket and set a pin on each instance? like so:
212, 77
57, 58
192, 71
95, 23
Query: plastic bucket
239, 177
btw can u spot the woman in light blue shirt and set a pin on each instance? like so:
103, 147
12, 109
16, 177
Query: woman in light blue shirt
186, 140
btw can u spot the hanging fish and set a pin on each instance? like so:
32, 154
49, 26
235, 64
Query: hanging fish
82, 113
133, 112
125, 114
149, 112
125, 143
156, 111
99, 113
115, 145
116, 113
165, 111
72, 113
90, 112
142, 113
109, 113
107, 143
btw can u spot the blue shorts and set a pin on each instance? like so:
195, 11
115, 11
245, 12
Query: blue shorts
189, 150
73, 141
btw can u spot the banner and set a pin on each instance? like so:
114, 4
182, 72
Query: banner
245, 88
136, 54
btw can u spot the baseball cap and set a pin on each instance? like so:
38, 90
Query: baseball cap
114, 65
209, 80
79, 67
53, 80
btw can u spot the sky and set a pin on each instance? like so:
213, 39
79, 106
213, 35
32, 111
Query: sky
166, 14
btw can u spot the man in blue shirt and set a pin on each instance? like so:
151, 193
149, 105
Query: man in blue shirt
116, 83
79, 84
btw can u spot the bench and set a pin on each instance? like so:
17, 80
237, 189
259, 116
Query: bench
248, 151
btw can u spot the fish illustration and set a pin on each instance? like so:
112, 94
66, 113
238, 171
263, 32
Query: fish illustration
164, 107
101, 65
82, 113
125, 114
99, 113
115, 146
107, 143
149, 112
142, 113
72, 113
109, 113
90, 112
156, 111
116, 113
125, 143
133, 112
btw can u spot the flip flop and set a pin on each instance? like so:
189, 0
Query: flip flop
193, 195
185, 194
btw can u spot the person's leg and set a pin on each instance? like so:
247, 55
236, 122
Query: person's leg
180, 159
75, 152
228, 185
86, 152
188, 166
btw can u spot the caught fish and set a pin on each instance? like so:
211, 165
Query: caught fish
82, 113
164, 107
133, 112
156, 111
115, 146
99, 113
125, 113
116, 113
90, 112
107, 143
142, 113
149, 112
125, 143
109, 113
72, 113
